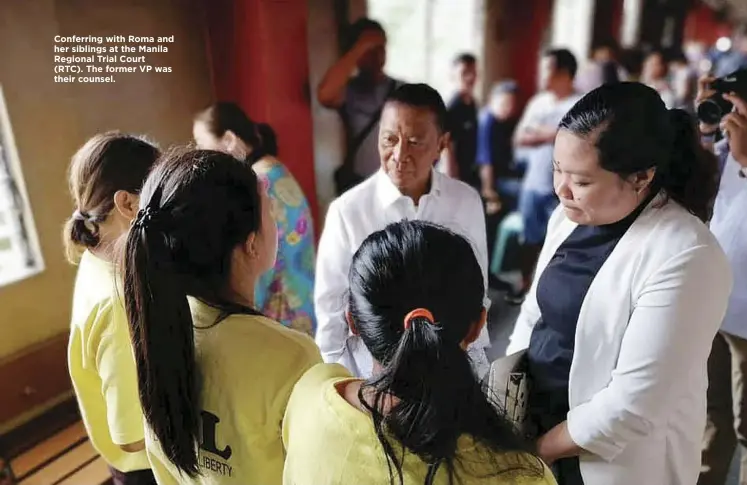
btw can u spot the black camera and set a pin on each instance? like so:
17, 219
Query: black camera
714, 108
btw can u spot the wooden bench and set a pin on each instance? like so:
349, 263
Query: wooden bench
52, 449
64, 458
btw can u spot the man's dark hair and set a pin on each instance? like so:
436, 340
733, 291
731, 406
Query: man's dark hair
632, 60
465, 58
361, 25
676, 55
610, 44
656, 50
421, 96
564, 61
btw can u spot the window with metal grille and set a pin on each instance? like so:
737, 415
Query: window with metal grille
424, 37
19, 248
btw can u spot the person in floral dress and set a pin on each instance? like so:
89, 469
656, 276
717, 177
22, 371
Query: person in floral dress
286, 292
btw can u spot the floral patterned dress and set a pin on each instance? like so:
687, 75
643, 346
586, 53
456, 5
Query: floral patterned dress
286, 292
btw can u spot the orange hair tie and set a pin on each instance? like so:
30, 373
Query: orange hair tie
418, 312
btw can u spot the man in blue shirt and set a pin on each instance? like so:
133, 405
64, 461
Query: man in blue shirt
500, 182
727, 364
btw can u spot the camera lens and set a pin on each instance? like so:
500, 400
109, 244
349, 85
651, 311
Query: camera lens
709, 112
713, 109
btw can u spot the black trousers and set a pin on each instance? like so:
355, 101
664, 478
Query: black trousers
548, 410
139, 477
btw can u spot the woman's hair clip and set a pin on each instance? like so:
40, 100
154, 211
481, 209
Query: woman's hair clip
418, 312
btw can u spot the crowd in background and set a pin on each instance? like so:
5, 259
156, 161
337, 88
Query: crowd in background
511, 170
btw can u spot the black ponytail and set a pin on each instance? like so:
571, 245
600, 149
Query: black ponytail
196, 207
635, 132
224, 116
438, 401
426, 376
163, 340
82, 230
690, 176
269, 141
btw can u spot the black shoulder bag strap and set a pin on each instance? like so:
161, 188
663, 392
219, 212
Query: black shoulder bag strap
345, 176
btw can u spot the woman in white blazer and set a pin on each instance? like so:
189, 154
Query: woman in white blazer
630, 290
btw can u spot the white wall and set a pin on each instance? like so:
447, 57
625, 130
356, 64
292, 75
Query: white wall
424, 37
631, 24
572, 25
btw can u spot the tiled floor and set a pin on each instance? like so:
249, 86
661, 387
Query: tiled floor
733, 478
502, 318
500, 325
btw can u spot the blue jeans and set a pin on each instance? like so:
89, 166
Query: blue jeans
509, 190
536, 209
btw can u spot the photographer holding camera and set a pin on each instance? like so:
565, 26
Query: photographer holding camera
722, 112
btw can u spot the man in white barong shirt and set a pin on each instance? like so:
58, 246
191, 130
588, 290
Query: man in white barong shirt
411, 137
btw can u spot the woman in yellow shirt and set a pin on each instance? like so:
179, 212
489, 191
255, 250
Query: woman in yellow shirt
415, 299
105, 179
215, 375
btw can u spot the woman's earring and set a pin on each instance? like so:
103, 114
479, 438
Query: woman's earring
252, 251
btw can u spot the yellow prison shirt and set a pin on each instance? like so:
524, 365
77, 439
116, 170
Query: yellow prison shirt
102, 366
248, 366
330, 442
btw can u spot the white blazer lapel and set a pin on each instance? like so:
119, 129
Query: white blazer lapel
606, 310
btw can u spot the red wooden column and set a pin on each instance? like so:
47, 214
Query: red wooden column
259, 56
514, 36
704, 25
608, 15
530, 22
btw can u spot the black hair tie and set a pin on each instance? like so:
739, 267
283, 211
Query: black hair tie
145, 217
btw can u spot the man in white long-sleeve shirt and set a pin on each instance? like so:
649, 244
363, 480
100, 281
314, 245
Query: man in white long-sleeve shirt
727, 365
411, 137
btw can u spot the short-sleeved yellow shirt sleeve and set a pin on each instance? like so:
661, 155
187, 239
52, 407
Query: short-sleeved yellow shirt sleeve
116, 367
102, 367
